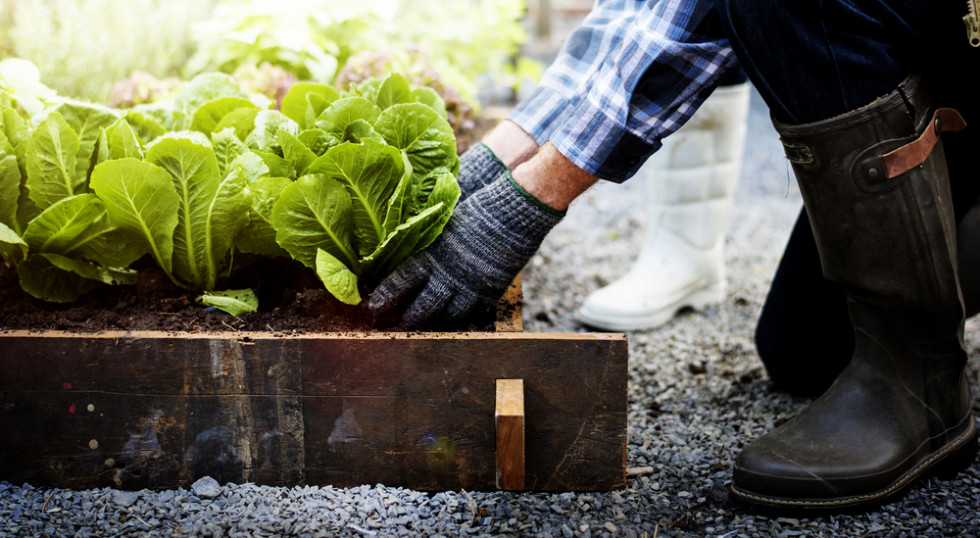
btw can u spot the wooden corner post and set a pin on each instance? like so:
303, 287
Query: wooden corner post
509, 420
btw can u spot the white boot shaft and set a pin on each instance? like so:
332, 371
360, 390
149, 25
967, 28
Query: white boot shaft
690, 183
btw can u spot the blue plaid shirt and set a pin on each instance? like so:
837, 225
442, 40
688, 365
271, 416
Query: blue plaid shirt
632, 73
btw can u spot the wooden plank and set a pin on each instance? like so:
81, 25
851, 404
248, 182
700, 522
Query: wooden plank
159, 410
509, 424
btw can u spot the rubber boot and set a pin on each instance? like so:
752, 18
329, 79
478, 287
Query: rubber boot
689, 185
968, 248
884, 228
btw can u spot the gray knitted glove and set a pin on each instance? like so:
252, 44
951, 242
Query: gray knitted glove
478, 166
463, 274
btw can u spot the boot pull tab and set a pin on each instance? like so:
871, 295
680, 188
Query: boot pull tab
913, 154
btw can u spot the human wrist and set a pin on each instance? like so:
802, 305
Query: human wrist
510, 144
551, 179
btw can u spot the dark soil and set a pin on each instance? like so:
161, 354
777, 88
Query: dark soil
291, 300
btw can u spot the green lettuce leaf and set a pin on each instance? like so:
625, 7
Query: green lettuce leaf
315, 212
211, 210
417, 231
340, 281
52, 162
424, 135
87, 121
147, 127
234, 302
10, 185
371, 173
140, 198
295, 152
395, 90
305, 102
205, 88
123, 142
13, 248
259, 235
43, 279
101, 274
241, 121
207, 118
343, 112
65, 224
268, 125
227, 149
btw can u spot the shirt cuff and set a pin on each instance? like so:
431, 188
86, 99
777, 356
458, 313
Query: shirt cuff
540, 113
601, 145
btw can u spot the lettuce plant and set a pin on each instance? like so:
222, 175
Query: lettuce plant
53, 230
378, 169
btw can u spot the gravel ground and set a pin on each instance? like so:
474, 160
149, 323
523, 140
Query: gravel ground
697, 395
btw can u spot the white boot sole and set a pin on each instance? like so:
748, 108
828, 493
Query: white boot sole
630, 321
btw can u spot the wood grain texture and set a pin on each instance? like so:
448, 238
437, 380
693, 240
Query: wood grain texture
159, 410
509, 423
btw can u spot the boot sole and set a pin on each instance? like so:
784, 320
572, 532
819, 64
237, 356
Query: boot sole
697, 300
944, 464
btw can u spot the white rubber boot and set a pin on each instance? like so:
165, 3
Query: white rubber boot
690, 183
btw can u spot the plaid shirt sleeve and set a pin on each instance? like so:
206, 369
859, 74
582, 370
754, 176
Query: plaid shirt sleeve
670, 54
546, 107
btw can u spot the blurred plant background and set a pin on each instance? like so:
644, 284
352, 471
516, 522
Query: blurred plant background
479, 55
82, 48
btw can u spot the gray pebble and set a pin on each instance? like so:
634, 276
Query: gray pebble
125, 498
206, 487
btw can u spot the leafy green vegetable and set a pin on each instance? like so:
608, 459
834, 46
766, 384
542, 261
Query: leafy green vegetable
54, 231
349, 184
381, 192
177, 201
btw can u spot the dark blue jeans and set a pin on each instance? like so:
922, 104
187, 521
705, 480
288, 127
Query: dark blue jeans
815, 59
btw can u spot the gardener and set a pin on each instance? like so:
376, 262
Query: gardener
884, 227
690, 182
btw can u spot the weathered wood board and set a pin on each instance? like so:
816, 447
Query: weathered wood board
159, 410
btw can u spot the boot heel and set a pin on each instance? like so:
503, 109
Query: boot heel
713, 294
959, 459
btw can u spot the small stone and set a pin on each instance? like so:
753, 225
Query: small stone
125, 499
206, 487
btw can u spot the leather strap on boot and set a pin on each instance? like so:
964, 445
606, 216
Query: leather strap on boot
915, 153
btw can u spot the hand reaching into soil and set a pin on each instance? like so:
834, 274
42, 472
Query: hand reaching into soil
488, 240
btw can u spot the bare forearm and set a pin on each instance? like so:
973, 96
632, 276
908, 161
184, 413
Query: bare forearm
553, 179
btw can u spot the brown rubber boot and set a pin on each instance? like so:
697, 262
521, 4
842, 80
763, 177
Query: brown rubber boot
883, 224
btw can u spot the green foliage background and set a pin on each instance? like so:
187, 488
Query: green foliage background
89, 44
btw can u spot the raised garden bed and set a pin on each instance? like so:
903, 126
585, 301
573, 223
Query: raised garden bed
286, 406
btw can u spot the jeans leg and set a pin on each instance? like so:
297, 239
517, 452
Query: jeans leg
804, 335
815, 59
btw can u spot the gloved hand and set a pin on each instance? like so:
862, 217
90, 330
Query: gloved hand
478, 166
488, 240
